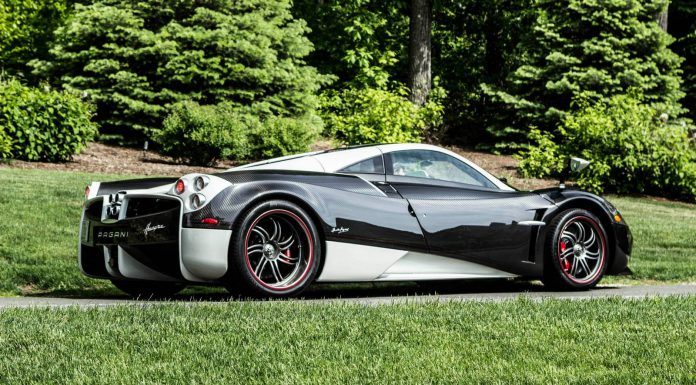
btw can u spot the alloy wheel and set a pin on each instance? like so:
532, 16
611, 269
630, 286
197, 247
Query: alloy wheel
278, 249
581, 250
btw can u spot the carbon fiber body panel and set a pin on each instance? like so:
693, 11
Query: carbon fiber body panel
147, 235
336, 201
106, 188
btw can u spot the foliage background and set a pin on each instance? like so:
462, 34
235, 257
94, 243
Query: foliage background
135, 59
505, 72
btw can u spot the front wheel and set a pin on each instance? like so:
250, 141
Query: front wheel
576, 251
276, 252
147, 289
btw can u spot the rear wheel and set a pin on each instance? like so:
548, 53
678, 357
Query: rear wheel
146, 289
275, 253
576, 251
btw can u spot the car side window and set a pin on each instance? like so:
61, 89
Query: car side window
369, 166
436, 165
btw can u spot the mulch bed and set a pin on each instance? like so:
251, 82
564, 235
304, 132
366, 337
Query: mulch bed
107, 159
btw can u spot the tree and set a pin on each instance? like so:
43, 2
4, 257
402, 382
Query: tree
26, 30
663, 18
598, 48
361, 42
475, 42
420, 71
682, 26
136, 59
365, 44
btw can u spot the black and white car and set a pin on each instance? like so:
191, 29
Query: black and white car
399, 212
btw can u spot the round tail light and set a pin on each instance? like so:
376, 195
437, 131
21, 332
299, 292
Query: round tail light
180, 186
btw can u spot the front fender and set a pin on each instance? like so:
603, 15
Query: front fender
618, 233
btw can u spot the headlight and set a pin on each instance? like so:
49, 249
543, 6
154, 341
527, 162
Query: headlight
197, 201
200, 182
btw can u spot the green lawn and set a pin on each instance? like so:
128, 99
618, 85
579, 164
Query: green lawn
613, 341
40, 211
664, 236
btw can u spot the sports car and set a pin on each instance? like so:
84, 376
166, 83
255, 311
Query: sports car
395, 212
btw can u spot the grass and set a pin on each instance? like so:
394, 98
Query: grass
39, 219
664, 236
40, 213
610, 341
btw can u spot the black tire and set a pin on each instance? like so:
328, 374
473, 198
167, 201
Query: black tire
576, 253
147, 289
274, 262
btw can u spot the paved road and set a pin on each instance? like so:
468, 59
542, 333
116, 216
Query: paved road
376, 295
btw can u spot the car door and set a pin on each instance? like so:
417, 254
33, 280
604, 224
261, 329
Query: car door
465, 215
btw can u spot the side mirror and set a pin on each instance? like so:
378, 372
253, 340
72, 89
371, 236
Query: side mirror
578, 164
574, 165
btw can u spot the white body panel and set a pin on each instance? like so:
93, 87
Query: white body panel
131, 268
215, 186
347, 262
204, 253
300, 162
351, 262
419, 266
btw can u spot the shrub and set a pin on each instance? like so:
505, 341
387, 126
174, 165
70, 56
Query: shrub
541, 159
280, 136
5, 144
631, 149
203, 134
360, 116
44, 124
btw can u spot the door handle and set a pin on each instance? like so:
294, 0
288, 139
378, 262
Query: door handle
410, 211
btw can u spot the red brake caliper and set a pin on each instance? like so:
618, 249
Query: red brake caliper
565, 262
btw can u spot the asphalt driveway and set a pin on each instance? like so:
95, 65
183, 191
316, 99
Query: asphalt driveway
376, 295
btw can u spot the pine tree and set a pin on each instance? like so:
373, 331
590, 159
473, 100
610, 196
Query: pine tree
682, 25
596, 47
26, 29
135, 59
